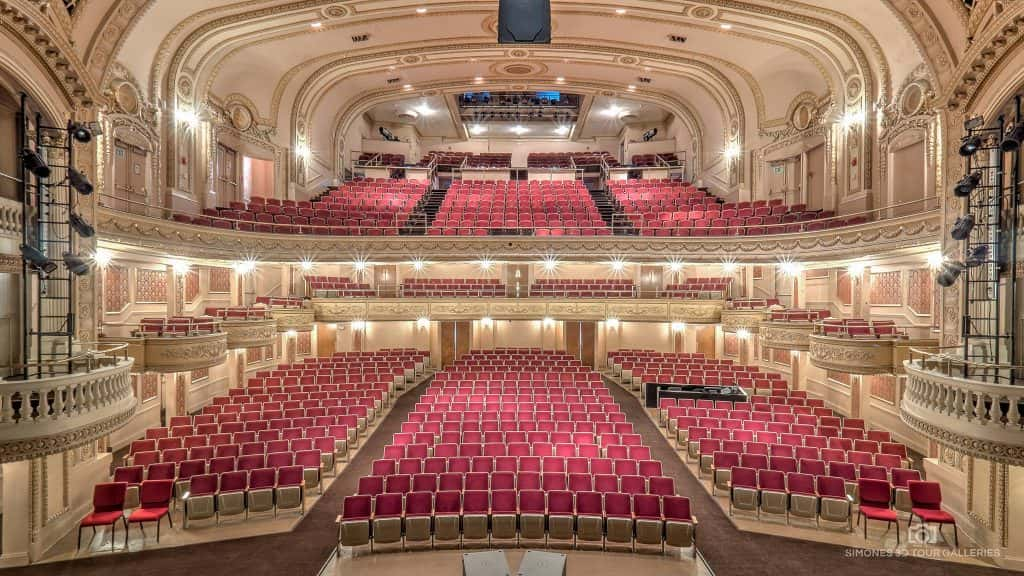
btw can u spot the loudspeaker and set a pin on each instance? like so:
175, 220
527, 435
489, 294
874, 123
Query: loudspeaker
524, 21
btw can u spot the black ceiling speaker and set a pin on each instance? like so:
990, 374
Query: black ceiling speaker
524, 21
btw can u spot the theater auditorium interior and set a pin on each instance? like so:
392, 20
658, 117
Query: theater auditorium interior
534, 287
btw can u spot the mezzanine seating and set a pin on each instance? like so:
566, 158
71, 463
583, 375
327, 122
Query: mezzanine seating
859, 328
680, 209
568, 160
453, 288
798, 315
654, 160
579, 288
495, 453
177, 326
237, 313
694, 288
279, 301
262, 448
363, 207
338, 287
381, 159
751, 303
542, 208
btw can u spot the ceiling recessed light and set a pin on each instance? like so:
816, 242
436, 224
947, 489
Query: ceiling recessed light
726, 26
631, 88
316, 25
620, 11
421, 10
478, 79
519, 129
477, 129
562, 130
560, 79
391, 67
407, 87
424, 109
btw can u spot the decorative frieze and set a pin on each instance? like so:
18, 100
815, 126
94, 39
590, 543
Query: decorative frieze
750, 320
297, 319
863, 355
786, 335
249, 333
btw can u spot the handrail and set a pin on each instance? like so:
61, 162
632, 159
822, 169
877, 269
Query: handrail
197, 327
935, 357
619, 221
89, 356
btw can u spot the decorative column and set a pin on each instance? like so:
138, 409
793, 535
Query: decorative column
17, 513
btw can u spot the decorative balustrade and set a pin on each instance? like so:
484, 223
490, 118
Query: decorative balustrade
640, 310
979, 418
52, 414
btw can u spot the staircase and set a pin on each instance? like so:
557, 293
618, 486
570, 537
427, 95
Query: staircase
609, 208
424, 213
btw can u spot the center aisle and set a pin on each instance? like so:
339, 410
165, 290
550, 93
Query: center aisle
301, 551
732, 552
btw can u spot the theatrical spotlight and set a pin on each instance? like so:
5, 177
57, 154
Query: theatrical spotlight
962, 227
967, 184
84, 229
978, 256
37, 260
76, 264
82, 133
35, 164
79, 182
970, 145
949, 273
1013, 137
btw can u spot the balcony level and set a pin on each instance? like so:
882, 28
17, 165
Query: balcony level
973, 409
56, 411
171, 345
863, 347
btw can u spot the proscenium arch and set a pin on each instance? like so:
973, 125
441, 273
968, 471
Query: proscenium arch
345, 117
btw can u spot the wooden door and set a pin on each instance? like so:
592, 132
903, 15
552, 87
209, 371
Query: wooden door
517, 280
456, 340
651, 279
706, 341
326, 339
227, 175
122, 171
385, 280
138, 158
581, 340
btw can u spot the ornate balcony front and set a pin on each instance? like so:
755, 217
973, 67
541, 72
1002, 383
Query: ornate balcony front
863, 355
293, 319
749, 320
244, 333
635, 310
974, 417
786, 335
167, 352
52, 414
892, 234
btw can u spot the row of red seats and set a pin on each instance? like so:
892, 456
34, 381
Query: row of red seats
381, 159
177, 326
799, 315
860, 328
237, 313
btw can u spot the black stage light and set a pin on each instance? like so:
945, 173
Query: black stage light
1013, 137
949, 273
962, 227
84, 229
76, 264
37, 260
79, 182
978, 256
967, 184
80, 132
970, 145
35, 164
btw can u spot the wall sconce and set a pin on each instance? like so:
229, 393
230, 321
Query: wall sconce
549, 321
332, 326
743, 333
612, 323
678, 326
359, 325
291, 333
423, 323
732, 151
486, 322
856, 268
245, 266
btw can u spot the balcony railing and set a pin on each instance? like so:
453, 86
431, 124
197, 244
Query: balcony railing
54, 413
975, 417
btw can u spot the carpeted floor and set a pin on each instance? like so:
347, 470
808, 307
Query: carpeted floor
731, 552
728, 551
301, 551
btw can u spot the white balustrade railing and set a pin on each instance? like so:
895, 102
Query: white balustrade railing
40, 416
980, 418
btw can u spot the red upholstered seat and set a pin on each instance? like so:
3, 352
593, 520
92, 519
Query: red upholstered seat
875, 503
